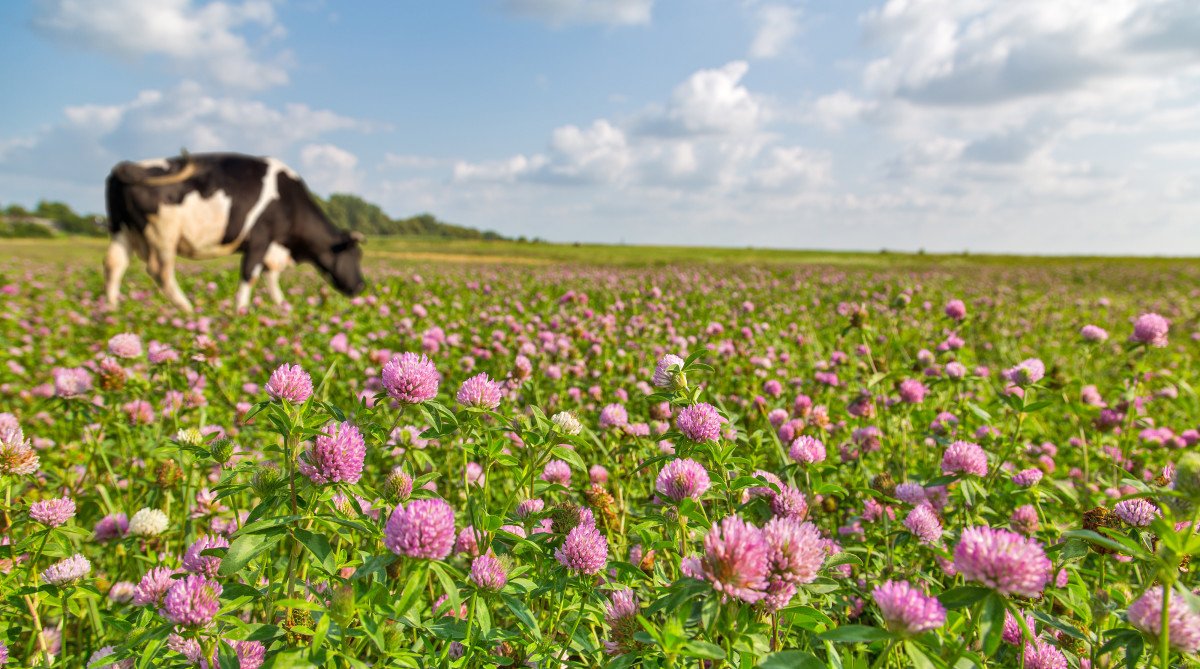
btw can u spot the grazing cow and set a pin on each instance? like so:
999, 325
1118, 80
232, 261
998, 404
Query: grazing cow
211, 205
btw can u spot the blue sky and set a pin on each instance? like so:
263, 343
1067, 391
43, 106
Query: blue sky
1070, 126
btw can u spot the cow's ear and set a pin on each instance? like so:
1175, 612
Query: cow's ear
348, 242
357, 237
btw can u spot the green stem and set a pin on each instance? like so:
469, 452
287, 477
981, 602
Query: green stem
578, 617
1012, 447
63, 626
887, 651
32, 575
1164, 632
470, 623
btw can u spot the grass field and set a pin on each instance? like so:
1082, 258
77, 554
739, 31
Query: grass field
423, 249
845, 460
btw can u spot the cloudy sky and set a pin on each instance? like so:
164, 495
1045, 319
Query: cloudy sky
1045, 126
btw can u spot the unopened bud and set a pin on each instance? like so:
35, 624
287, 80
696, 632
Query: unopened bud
265, 478
342, 604
221, 449
398, 485
1187, 476
167, 474
565, 517
393, 638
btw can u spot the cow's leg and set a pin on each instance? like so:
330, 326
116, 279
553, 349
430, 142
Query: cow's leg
252, 267
166, 281
277, 259
161, 263
273, 285
116, 261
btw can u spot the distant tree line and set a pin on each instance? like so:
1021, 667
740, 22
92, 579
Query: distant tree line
354, 213
50, 219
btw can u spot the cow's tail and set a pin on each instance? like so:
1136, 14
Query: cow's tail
126, 174
114, 200
134, 173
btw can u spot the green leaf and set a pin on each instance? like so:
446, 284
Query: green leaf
791, 659
941, 481
322, 631
233, 591
1127, 547
483, 615
855, 634
318, 545
227, 657
571, 457
703, 649
244, 549
802, 613
1072, 549
876, 378
678, 594
447, 582
522, 612
979, 412
412, 591
829, 489
289, 659
991, 623
962, 596
841, 559
1059, 625
918, 656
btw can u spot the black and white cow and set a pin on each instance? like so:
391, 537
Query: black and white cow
215, 204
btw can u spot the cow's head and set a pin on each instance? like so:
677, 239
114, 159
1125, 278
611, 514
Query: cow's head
344, 266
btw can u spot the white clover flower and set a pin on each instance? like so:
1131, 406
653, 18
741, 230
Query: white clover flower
669, 373
67, 571
567, 422
148, 523
190, 436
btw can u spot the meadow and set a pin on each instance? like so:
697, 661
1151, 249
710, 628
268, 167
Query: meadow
509, 454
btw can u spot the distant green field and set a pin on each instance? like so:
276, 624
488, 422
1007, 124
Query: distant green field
419, 250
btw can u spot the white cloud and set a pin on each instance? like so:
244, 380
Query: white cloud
598, 153
1012, 109
558, 13
981, 52
207, 40
794, 167
89, 139
710, 101
330, 169
508, 170
406, 161
708, 141
834, 110
777, 25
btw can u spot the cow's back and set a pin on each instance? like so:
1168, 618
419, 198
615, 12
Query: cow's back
210, 201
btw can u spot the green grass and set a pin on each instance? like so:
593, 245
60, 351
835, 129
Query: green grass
73, 250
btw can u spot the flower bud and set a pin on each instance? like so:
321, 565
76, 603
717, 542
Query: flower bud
1187, 476
398, 486
221, 449
566, 516
265, 478
342, 604
167, 474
